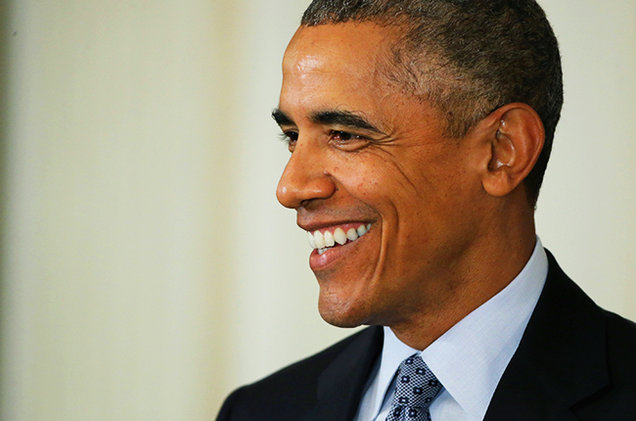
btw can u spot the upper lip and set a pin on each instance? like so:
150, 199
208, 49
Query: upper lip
314, 225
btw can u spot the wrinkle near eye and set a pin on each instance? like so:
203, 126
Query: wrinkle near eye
390, 158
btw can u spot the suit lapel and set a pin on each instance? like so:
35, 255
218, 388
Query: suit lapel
561, 359
340, 386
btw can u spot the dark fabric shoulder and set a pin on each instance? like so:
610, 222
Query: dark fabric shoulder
575, 361
621, 354
291, 390
621, 334
617, 401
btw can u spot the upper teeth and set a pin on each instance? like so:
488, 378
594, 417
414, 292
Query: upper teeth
327, 238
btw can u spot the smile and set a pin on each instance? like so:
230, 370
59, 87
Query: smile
330, 237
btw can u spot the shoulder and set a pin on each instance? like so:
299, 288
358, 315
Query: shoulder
575, 360
563, 298
621, 333
621, 350
293, 389
615, 401
596, 345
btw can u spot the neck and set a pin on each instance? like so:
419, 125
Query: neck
498, 256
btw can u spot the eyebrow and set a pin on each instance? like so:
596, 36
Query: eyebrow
330, 117
281, 118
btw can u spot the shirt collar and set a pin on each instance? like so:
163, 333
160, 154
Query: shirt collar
470, 358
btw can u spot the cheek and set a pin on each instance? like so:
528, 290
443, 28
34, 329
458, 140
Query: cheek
358, 178
404, 188
382, 185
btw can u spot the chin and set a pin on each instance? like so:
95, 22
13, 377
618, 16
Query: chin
342, 312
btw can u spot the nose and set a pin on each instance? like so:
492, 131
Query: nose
305, 178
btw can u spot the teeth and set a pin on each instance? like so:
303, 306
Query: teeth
340, 236
319, 240
322, 241
329, 241
312, 242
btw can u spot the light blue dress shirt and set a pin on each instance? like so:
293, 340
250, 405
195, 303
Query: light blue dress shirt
470, 358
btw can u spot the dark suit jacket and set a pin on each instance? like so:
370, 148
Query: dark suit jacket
575, 361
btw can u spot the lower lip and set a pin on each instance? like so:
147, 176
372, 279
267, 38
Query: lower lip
322, 261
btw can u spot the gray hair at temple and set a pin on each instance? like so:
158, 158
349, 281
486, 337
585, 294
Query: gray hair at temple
467, 57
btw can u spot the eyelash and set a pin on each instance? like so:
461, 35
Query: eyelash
290, 137
342, 134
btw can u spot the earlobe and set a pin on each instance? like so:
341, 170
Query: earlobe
516, 142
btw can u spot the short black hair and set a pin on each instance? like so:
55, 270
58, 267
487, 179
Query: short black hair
467, 57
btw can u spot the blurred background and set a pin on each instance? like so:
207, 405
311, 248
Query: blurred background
146, 268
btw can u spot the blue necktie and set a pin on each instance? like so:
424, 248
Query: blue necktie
415, 388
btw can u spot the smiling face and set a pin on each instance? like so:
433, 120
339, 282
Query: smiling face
367, 159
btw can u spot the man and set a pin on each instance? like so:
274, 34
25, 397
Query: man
419, 133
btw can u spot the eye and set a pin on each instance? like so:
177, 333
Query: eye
347, 141
290, 137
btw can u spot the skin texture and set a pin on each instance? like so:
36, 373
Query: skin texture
451, 225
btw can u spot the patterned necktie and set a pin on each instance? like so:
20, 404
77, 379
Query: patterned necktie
415, 388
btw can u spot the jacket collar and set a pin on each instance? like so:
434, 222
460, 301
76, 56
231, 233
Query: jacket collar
341, 385
560, 360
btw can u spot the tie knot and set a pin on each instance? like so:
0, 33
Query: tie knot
415, 388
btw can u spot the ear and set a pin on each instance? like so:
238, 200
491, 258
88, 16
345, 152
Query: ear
516, 136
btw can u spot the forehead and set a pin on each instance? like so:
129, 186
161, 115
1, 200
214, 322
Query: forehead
333, 59
345, 67
347, 42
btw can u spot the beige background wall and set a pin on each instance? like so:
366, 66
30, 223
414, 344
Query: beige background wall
146, 267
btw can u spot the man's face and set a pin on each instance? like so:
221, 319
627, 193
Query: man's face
365, 155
